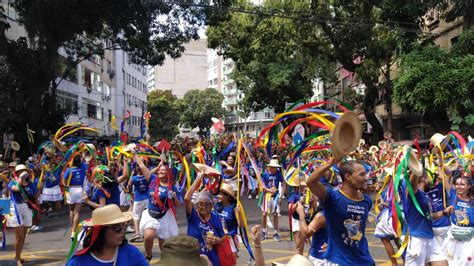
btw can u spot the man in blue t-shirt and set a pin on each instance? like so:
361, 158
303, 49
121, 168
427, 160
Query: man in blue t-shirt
346, 212
272, 178
140, 200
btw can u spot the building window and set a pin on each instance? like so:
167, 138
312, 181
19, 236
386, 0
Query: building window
92, 109
67, 101
90, 79
106, 89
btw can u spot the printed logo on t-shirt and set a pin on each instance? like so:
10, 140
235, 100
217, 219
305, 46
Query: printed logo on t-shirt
205, 228
462, 215
353, 225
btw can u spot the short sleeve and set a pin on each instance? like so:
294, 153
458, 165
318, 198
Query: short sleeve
330, 198
136, 255
280, 177
218, 226
101, 194
193, 216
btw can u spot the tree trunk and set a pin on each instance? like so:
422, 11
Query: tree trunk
370, 100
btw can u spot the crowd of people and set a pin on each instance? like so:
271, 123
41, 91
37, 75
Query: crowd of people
422, 198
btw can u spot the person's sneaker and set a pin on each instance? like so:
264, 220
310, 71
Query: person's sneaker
38, 228
130, 230
250, 196
276, 236
264, 236
251, 262
256, 197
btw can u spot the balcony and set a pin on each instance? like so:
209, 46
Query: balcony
228, 81
262, 115
228, 102
232, 119
228, 71
230, 92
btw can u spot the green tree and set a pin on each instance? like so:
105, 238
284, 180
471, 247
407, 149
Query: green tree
363, 36
440, 84
200, 106
146, 30
163, 108
275, 60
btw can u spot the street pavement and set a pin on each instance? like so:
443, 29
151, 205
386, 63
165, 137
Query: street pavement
51, 245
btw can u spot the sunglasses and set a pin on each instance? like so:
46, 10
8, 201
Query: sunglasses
118, 228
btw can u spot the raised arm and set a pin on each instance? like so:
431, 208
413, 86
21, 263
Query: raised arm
314, 226
146, 173
125, 174
188, 205
414, 180
313, 181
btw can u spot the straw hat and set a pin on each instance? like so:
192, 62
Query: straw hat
346, 134
373, 149
206, 169
382, 144
91, 149
109, 214
181, 251
15, 146
299, 179
438, 139
227, 188
20, 167
296, 260
413, 163
274, 163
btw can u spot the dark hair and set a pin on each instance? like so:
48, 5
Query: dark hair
347, 168
98, 245
76, 161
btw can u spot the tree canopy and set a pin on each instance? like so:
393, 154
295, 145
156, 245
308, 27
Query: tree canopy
199, 106
439, 83
279, 47
163, 107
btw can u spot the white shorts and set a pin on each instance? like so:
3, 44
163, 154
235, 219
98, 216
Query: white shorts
25, 213
125, 199
138, 208
51, 194
440, 234
165, 227
458, 252
232, 182
74, 195
315, 261
383, 228
295, 225
423, 250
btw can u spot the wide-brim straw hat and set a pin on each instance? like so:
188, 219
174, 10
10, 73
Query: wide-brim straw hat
107, 215
382, 144
413, 163
438, 139
21, 167
274, 163
299, 177
296, 260
15, 145
346, 134
228, 189
89, 153
181, 251
206, 169
373, 149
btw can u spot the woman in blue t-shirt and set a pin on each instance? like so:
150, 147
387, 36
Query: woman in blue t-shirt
202, 223
459, 249
105, 243
229, 214
159, 220
72, 180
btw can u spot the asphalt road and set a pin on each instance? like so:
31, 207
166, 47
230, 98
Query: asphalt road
51, 245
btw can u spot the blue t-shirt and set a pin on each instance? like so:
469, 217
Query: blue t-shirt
114, 195
418, 225
30, 190
163, 194
463, 211
127, 255
272, 180
435, 194
228, 218
318, 240
345, 223
51, 179
140, 187
77, 176
198, 229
